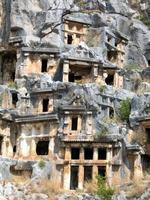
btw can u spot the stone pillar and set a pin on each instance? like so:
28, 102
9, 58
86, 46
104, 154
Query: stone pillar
33, 148
84, 32
23, 70
118, 81
95, 168
51, 147
9, 147
81, 177
4, 147
81, 154
95, 71
24, 148
81, 170
109, 166
79, 128
66, 71
138, 173
18, 71
67, 169
89, 127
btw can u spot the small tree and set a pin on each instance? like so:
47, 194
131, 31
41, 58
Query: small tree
125, 109
41, 164
103, 191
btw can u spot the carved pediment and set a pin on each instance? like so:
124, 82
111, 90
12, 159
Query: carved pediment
75, 102
81, 51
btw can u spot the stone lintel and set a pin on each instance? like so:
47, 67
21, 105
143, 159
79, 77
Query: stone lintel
88, 162
76, 20
40, 50
85, 144
82, 61
36, 118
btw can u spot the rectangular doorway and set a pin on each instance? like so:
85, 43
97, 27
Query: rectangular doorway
87, 173
74, 177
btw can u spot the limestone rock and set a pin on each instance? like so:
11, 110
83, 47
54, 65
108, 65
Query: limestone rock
42, 169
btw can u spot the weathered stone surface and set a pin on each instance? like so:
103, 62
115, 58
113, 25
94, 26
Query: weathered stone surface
42, 169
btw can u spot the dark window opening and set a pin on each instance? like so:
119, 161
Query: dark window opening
102, 171
14, 99
18, 172
148, 134
146, 162
111, 113
45, 105
148, 62
109, 38
88, 153
1, 140
116, 44
78, 78
74, 126
87, 173
14, 149
12, 76
42, 148
102, 154
8, 66
74, 177
71, 77
44, 65
75, 153
69, 39
109, 80
112, 56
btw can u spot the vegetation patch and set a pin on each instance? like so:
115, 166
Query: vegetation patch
102, 88
103, 132
41, 164
103, 191
133, 67
125, 109
145, 20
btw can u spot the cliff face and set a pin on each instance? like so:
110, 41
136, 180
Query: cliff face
74, 93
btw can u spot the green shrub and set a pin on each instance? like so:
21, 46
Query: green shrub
80, 3
102, 132
133, 67
145, 20
41, 164
102, 88
125, 109
103, 191
12, 84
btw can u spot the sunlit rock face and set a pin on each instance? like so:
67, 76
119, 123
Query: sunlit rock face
74, 94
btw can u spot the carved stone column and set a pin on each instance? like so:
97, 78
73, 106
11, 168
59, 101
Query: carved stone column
66, 71
67, 169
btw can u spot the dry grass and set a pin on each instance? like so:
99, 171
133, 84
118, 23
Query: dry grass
49, 187
20, 179
136, 190
90, 187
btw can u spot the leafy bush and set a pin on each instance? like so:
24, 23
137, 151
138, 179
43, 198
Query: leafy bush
102, 88
133, 67
145, 20
12, 84
41, 164
103, 191
125, 109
